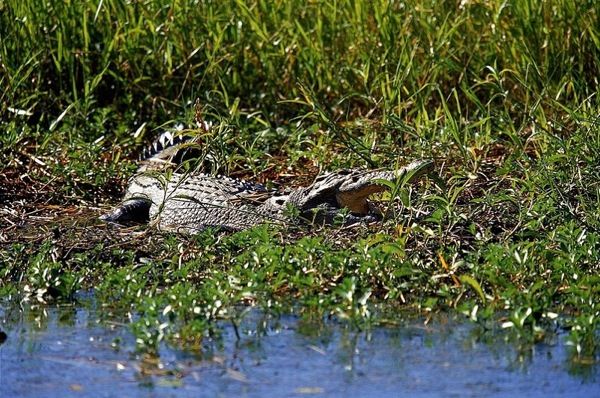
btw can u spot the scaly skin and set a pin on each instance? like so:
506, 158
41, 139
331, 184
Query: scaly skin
188, 203
193, 202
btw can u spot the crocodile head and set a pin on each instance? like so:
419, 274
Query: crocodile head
351, 188
358, 185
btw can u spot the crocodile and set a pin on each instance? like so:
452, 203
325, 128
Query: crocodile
191, 202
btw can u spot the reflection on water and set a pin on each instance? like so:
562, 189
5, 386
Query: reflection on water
66, 351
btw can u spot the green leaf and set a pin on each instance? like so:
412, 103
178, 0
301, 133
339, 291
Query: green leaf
474, 284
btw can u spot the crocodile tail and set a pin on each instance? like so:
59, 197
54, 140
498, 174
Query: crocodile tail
169, 146
166, 145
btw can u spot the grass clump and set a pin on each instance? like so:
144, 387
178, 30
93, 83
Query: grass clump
503, 95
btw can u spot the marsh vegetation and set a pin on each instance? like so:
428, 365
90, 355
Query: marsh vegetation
503, 95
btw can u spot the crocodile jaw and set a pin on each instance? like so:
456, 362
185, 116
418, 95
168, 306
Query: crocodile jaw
356, 187
357, 202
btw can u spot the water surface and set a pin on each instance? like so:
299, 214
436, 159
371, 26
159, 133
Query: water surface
66, 352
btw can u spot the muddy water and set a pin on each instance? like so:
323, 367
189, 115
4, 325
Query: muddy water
67, 352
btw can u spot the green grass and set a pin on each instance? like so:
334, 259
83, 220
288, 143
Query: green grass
503, 95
